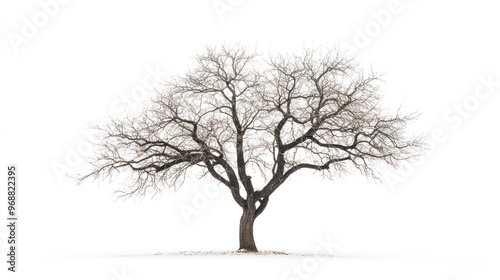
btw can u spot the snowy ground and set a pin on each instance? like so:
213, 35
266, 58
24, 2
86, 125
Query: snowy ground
265, 265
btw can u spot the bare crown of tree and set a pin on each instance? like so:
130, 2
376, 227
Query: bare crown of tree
235, 115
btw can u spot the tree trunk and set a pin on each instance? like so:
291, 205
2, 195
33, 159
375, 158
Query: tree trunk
247, 242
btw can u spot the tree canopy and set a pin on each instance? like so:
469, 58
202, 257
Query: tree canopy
250, 122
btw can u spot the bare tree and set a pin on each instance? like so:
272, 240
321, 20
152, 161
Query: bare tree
234, 115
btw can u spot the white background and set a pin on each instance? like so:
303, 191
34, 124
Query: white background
438, 219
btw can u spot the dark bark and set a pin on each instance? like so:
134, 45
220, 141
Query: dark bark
247, 241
